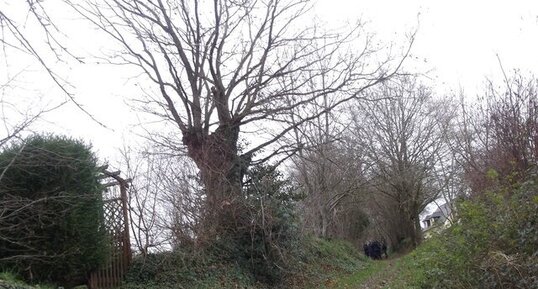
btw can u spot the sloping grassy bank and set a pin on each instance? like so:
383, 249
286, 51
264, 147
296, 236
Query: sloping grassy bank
325, 262
316, 265
493, 244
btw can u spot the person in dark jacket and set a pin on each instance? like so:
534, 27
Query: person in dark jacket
384, 250
375, 250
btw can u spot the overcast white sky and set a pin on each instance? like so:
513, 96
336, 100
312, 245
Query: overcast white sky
457, 43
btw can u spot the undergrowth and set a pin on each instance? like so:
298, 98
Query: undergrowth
9, 280
493, 244
316, 263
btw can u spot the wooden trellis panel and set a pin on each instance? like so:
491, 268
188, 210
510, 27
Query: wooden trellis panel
117, 225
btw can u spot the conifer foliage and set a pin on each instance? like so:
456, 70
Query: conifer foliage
51, 221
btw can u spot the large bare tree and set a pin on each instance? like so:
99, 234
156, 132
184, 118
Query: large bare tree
220, 65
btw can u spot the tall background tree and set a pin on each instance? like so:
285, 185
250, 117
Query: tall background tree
403, 135
331, 178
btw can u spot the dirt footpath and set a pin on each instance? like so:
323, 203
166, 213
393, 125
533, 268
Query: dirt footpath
382, 277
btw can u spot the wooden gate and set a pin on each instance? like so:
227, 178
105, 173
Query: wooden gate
116, 216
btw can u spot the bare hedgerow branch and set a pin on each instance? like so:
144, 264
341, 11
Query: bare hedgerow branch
15, 37
164, 199
499, 132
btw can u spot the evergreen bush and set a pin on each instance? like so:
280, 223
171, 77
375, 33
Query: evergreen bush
51, 226
265, 235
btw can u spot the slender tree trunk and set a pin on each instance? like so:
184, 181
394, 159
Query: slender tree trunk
324, 223
418, 231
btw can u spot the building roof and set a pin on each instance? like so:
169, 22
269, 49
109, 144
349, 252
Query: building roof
442, 212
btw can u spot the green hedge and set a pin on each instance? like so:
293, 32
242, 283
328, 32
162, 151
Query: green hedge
52, 203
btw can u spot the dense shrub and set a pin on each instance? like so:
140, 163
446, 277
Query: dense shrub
494, 243
10, 281
185, 267
265, 232
51, 225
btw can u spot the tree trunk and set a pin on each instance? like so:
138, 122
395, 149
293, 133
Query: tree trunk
413, 233
418, 231
408, 229
221, 170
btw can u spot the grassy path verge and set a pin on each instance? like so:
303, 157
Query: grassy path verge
395, 273
366, 277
